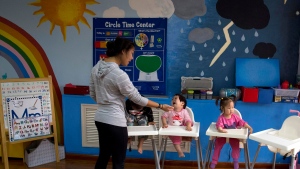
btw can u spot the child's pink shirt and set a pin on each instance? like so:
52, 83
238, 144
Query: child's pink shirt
234, 122
183, 114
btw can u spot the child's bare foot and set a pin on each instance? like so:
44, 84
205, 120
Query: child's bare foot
181, 154
140, 148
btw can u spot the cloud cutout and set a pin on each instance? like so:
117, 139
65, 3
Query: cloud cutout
200, 35
114, 12
189, 9
153, 8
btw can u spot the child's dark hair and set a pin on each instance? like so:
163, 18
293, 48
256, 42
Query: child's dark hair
182, 99
135, 106
116, 47
225, 101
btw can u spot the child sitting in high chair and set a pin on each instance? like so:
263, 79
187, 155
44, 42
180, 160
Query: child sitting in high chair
177, 117
137, 115
228, 120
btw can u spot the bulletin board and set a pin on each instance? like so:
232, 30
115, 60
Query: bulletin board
27, 108
147, 70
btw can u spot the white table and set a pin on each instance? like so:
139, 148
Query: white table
241, 134
181, 131
146, 131
270, 137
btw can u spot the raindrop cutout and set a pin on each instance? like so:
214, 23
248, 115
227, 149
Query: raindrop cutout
213, 50
234, 49
199, 20
223, 64
219, 22
193, 48
181, 30
202, 73
200, 58
256, 34
226, 78
233, 32
187, 65
243, 38
247, 50
218, 37
188, 22
205, 45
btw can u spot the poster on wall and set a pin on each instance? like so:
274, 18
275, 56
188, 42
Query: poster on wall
25, 118
147, 70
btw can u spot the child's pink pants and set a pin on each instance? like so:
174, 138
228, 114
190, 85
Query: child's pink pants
175, 139
219, 143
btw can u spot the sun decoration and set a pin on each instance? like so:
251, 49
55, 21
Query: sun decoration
63, 13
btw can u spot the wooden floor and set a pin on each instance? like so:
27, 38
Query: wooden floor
88, 162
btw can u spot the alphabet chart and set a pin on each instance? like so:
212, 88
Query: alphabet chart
19, 90
23, 114
29, 127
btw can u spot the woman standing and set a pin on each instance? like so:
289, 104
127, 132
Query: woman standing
109, 86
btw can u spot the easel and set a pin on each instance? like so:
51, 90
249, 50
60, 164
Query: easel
12, 87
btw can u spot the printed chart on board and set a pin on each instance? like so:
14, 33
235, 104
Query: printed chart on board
16, 94
147, 70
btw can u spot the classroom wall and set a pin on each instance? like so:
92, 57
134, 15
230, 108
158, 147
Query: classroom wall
44, 40
196, 35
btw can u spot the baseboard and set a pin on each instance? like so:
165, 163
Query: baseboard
176, 163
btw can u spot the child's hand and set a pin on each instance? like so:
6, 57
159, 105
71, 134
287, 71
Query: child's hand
250, 130
165, 126
221, 130
188, 128
151, 123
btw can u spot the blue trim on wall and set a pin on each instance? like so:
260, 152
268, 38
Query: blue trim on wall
259, 116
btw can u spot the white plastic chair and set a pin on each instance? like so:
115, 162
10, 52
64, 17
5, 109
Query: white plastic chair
195, 135
241, 134
290, 131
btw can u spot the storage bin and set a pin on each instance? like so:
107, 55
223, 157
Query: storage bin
287, 92
203, 95
76, 89
196, 94
43, 153
249, 94
265, 96
209, 95
190, 94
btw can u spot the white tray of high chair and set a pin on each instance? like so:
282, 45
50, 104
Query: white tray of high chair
270, 137
231, 133
146, 131
180, 131
142, 130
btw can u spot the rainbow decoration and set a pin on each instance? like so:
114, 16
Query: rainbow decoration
29, 60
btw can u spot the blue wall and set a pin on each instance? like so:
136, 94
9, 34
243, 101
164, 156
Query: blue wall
259, 116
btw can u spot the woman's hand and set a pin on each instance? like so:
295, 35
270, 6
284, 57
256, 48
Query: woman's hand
166, 107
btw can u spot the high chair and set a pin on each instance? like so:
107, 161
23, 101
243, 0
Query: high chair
181, 131
151, 131
241, 134
285, 141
